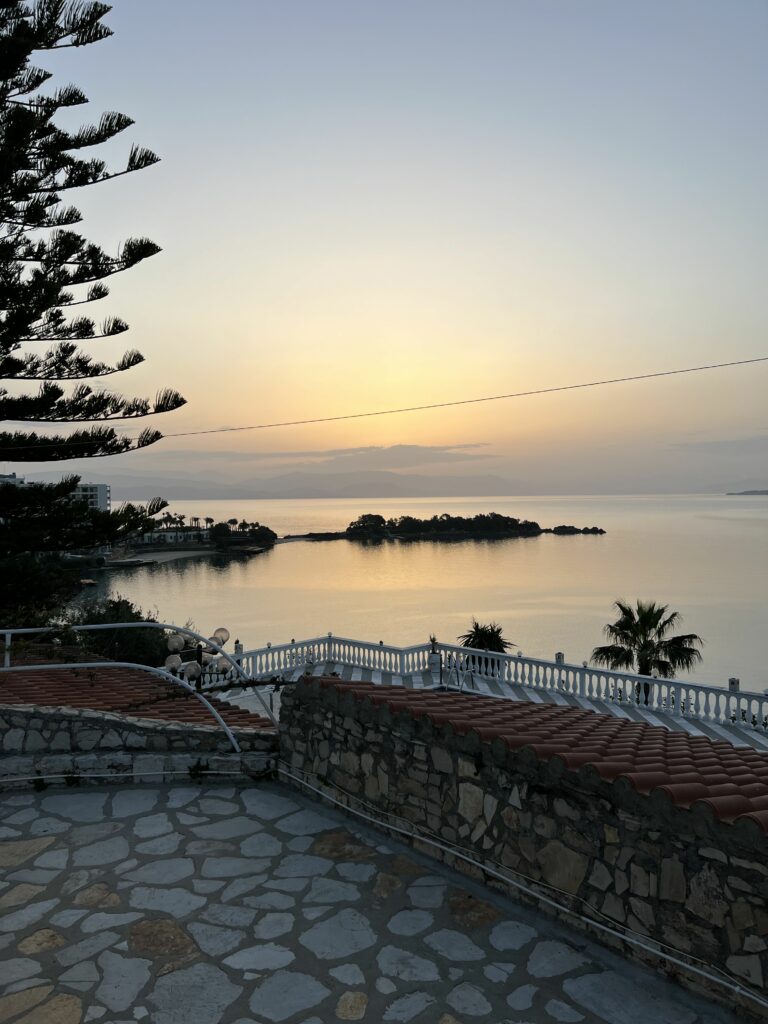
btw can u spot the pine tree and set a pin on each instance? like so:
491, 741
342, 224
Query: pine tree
48, 271
40, 526
41, 518
46, 268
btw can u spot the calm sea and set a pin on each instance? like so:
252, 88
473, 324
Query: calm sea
704, 555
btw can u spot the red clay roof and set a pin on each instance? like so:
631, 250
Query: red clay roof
689, 770
122, 691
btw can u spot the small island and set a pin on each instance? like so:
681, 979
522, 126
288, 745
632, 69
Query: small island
446, 528
743, 494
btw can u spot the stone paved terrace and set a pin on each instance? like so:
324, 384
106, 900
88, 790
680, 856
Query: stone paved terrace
221, 904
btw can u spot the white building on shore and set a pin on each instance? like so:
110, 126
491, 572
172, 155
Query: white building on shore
175, 535
96, 495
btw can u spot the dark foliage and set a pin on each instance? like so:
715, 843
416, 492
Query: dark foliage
47, 517
40, 525
46, 268
243, 534
33, 587
489, 637
143, 646
367, 526
640, 640
486, 525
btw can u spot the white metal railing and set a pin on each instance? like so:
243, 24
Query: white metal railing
160, 673
231, 668
676, 697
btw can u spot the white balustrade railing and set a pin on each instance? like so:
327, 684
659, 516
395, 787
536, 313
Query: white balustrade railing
460, 665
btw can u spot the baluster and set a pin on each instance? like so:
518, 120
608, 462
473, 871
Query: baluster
707, 707
653, 696
673, 700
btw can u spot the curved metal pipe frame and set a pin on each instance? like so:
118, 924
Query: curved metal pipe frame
161, 672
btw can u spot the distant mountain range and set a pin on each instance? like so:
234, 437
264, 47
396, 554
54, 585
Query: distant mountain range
315, 482
736, 494
367, 484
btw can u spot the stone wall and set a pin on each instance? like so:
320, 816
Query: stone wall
675, 878
90, 745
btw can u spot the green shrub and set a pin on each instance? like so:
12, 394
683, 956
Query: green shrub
143, 646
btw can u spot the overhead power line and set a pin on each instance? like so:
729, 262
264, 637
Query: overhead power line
450, 404
470, 401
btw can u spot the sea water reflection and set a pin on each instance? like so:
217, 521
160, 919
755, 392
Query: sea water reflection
705, 556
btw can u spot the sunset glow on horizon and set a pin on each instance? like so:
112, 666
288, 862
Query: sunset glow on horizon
366, 206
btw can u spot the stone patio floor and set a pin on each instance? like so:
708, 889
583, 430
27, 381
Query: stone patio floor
223, 904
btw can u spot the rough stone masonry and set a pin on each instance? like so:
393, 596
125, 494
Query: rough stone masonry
680, 880
89, 746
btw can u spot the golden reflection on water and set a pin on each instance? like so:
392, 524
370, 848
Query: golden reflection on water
705, 556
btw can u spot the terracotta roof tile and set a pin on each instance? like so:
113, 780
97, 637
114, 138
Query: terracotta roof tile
122, 691
689, 771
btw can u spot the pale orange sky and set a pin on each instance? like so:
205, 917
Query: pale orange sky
366, 206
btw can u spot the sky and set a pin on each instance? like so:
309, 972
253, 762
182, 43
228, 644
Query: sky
366, 205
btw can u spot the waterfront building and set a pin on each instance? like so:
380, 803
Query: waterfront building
175, 535
96, 495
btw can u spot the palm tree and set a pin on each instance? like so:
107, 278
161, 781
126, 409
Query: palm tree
209, 521
640, 640
485, 638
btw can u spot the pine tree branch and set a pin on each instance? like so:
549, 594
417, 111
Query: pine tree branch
38, 161
83, 405
64, 362
85, 444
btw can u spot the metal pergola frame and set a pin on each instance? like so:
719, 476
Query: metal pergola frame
10, 632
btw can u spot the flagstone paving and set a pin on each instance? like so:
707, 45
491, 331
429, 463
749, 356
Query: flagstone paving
251, 905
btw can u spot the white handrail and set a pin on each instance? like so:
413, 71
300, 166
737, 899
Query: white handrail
234, 661
675, 697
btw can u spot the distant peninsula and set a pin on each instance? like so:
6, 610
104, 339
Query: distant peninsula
740, 494
486, 526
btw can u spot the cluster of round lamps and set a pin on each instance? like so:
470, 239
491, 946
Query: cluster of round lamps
192, 670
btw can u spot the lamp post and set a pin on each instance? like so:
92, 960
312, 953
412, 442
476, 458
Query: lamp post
192, 668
